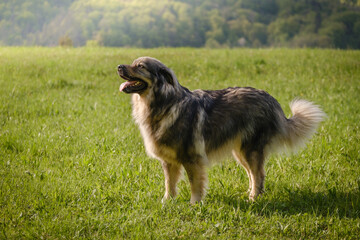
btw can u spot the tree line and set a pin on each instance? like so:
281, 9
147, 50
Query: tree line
177, 23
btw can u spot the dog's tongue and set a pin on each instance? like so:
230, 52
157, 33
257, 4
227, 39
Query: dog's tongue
124, 85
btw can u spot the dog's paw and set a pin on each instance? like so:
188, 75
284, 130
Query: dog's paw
167, 198
254, 196
164, 200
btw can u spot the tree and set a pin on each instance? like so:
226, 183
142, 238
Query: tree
196, 23
65, 41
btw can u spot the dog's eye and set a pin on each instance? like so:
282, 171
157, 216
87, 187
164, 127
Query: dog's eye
141, 66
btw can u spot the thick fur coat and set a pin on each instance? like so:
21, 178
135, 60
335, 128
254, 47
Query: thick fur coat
192, 129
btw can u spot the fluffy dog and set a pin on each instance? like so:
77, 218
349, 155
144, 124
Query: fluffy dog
191, 129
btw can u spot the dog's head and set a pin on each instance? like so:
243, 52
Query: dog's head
146, 74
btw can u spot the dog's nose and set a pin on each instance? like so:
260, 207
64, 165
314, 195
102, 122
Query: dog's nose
121, 69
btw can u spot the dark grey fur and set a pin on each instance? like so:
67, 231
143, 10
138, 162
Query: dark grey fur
185, 128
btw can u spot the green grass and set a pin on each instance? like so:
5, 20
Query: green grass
73, 165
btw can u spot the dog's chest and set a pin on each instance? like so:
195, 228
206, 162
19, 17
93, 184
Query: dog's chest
154, 148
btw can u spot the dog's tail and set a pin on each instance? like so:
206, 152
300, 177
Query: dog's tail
303, 124
299, 128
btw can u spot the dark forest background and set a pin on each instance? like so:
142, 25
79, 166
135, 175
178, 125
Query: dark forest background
177, 23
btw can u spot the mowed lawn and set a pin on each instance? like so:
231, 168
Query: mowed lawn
73, 165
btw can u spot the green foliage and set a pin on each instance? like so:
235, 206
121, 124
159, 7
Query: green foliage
73, 165
65, 41
211, 23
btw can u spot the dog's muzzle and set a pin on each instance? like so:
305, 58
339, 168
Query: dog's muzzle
132, 84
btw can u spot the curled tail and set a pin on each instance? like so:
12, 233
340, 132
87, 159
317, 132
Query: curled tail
303, 124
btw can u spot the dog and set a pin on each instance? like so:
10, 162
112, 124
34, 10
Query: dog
192, 129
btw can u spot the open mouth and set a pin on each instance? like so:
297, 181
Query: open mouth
132, 85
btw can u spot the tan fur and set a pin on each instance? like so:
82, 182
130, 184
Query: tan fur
193, 130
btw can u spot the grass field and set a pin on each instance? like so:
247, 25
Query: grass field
73, 165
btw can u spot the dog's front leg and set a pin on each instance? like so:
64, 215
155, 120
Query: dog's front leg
198, 181
172, 174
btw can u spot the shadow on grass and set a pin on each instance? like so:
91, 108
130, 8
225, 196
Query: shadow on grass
292, 202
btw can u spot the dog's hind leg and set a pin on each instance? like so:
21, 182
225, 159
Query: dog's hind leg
241, 159
198, 180
172, 174
255, 162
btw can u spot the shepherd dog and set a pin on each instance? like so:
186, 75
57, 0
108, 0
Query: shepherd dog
191, 130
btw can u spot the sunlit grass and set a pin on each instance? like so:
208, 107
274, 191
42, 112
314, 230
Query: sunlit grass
73, 165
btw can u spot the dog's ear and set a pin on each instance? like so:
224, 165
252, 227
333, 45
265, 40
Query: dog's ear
167, 74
